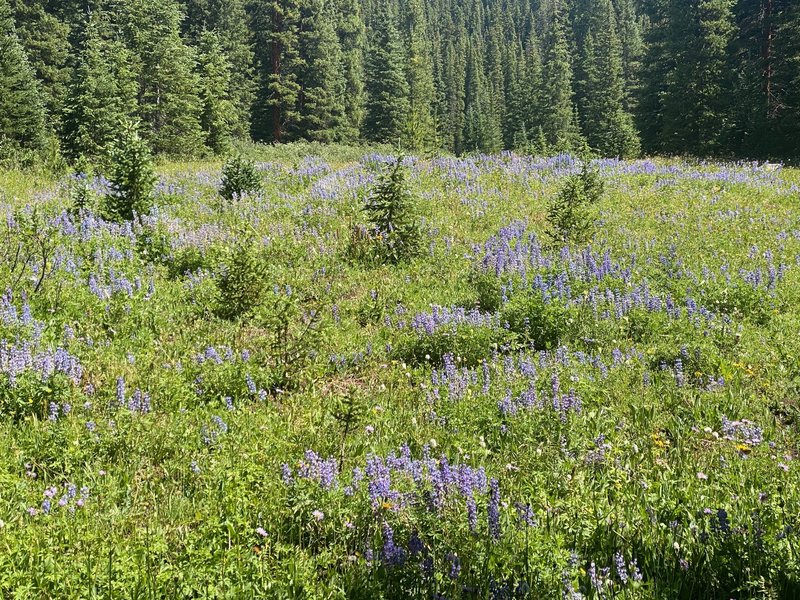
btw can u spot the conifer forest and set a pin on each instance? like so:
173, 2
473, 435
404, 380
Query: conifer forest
400, 299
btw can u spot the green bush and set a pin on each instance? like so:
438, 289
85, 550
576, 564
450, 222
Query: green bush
569, 218
544, 324
241, 281
131, 176
239, 177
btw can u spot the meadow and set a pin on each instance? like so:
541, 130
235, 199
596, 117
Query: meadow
221, 399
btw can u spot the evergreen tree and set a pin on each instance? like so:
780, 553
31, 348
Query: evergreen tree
169, 103
131, 175
694, 99
322, 81
218, 116
387, 103
559, 123
277, 34
630, 36
482, 131
351, 30
46, 43
22, 115
607, 126
102, 93
228, 19
420, 132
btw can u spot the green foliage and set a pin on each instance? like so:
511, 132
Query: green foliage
239, 177
241, 281
569, 217
218, 115
393, 235
131, 175
169, 104
543, 324
101, 95
22, 114
387, 102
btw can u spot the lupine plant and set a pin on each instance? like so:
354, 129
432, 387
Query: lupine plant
214, 400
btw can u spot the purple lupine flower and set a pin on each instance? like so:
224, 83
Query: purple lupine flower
494, 509
622, 569
393, 556
455, 566
286, 474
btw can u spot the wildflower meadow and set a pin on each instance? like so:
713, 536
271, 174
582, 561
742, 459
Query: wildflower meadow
358, 376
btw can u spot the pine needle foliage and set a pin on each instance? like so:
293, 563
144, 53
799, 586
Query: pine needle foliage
569, 216
239, 177
132, 177
390, 211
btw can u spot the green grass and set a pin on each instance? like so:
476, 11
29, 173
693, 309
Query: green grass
645, 467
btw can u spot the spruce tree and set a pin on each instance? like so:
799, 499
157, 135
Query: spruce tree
228, 19
131, 174
559, 123
47, 45
420, 132
169, 103
387, 103
630, 37
102, 93
454, 95
607, 126
218, 116
351, 30
277, 33
22, 115
322, 81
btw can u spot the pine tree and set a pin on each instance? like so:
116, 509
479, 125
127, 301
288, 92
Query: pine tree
607, 126
102, 93
228, 19
559, 122
277, 33
218, 115
387, 104
482, 131
131, 174
46, 43
420, 131
322, 92
351, 30
454, 77
22, 115
690, 91
630, 36
169, 104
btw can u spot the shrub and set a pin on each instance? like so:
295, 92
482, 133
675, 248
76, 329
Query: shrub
132, 178
569, 219
239, 177
241, 281
545, 324
393, 234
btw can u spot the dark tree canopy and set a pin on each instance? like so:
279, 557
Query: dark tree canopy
619, 77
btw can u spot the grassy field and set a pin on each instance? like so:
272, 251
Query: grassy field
497, 418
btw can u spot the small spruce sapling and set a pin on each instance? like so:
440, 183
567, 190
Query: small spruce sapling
239, 177
569, 218
132, 177
390, 211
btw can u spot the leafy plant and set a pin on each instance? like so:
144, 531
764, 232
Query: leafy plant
132, 177
569, 218
239, 177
